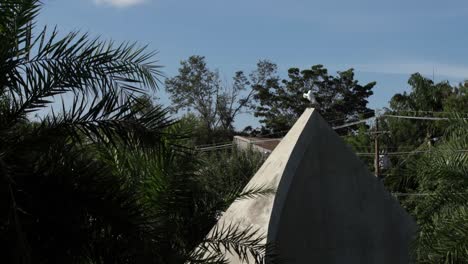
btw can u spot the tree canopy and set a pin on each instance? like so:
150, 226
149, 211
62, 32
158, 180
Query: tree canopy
279, 103
197, 88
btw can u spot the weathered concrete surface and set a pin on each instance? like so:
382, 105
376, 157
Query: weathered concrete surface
328, 207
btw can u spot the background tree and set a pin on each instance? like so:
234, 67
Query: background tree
198, 88
229, 169
430, 173
279, 103
425, 99
457, 101
362, 141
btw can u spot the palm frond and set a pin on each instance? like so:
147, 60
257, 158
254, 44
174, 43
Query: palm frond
107, 120
16, 18
246, 243
442, 175
444, 238
74, 63
104, 179
255, 191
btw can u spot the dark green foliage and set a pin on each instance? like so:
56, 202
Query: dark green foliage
425, 99
178, 197
440, 201
59, 202
200, 135
457, 101
279, 103
224, 175
432, 177
101, 180
225, 171
362, 141
429, 171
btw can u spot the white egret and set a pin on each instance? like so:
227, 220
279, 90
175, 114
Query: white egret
309, 96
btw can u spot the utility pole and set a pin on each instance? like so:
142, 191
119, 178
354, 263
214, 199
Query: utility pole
376, 145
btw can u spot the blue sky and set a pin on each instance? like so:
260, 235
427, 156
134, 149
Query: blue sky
384, 41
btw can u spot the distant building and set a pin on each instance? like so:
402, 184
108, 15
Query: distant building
263, 145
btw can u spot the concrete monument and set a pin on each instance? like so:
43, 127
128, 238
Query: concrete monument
328, 207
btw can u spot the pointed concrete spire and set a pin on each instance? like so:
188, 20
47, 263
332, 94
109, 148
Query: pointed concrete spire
328, 207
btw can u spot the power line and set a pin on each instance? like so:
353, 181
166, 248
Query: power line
364, 148
353, 123
419, 194
224, 144
434, 112
285, 131
412, 194
344, 118
410, 152
213, 144
276, 133
215, 147
229, 143
422, 117
264, 140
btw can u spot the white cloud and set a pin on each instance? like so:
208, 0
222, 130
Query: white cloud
119, 3
425, 68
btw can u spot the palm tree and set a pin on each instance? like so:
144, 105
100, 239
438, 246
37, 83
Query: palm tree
99, 180
439, 202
